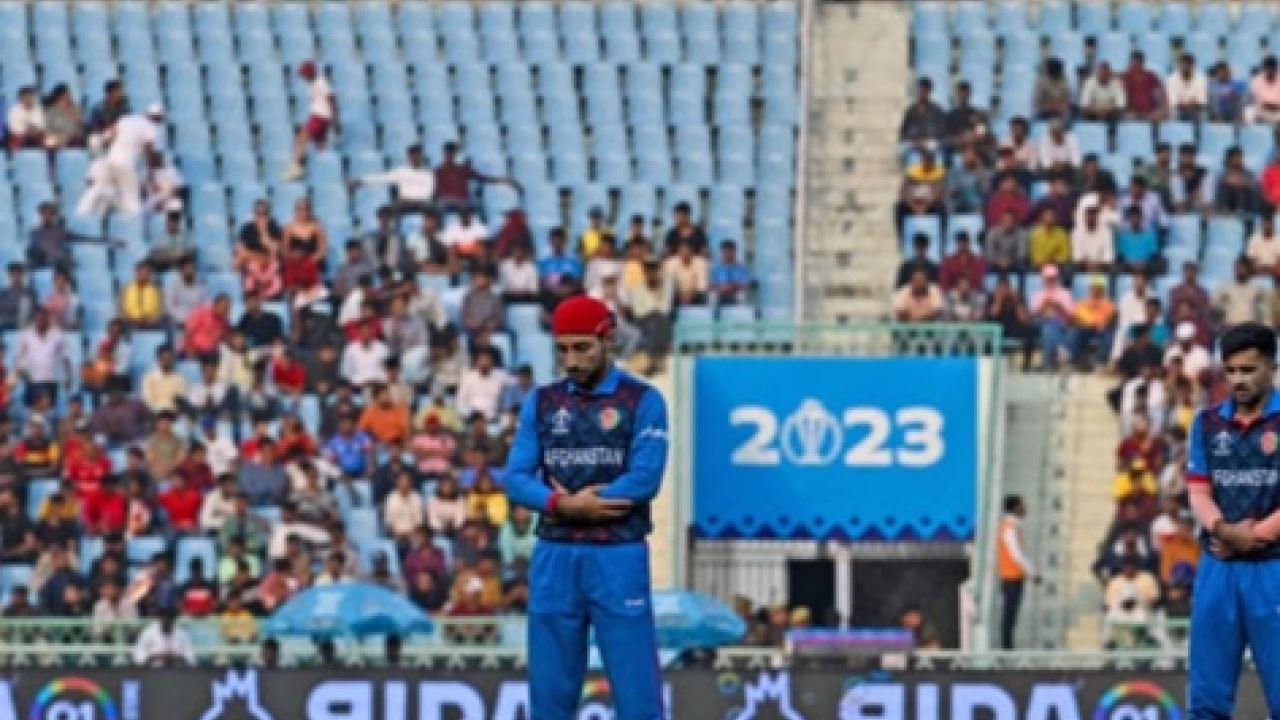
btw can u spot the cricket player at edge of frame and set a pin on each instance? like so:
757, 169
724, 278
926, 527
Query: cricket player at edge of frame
589, 454
1233, 480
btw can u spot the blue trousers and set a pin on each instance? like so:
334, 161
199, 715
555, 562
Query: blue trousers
573, 589
1237, 604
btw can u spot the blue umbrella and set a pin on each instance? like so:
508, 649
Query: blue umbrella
689, 620
348, 609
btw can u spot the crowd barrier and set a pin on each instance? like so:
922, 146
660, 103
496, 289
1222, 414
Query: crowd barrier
392, 694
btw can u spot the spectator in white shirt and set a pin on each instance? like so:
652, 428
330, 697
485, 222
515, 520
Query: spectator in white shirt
1194, 357
166, 187
112, 608
219, 505
164, 644
518, 276
690, 275
404, 510
1102, 98
26, 121
323, 116
1059, 151
184, 293
1093, 245
365, 362
220, 452
1188, 91
1264, 91
1264, 247
1131, 311
414, 183
467, 235
602, 264
481, 386
1131, 596
138, 140
41, 359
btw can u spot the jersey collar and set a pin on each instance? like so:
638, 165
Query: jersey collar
1227, 411
607, 386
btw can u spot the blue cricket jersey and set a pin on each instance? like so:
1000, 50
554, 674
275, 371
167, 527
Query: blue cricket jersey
1241, 461
613, 435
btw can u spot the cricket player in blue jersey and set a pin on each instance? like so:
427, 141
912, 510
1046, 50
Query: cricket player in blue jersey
1233, 480
589, 455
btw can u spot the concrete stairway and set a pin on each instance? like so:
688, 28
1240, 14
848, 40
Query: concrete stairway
1091, 431
1032, 469
859, 80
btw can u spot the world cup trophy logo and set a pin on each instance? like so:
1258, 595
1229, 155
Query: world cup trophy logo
812, 435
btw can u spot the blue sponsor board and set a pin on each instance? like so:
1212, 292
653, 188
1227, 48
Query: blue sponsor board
836, 448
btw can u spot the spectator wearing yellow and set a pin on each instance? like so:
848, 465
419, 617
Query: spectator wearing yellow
595, 235
487, 502
1095, 319
1134, 482
141, 301
1049, 243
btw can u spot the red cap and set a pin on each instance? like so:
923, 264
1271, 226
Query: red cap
581, 315
307, 69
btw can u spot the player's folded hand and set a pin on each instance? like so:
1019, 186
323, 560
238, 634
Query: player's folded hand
1235, 538
586, 504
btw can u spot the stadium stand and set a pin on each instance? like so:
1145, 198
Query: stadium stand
579, 121
1157, 118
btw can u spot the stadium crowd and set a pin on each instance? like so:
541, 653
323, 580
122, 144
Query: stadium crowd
344, 426
1097, 264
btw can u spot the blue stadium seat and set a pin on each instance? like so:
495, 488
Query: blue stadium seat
622, 48
1251, 15
1226, 233
14, 576
1213, 18
1093, 17
194, 547
967, 16
1134, 18
142, 548
1215, 139
1175, 19
1133, 139
1257, 141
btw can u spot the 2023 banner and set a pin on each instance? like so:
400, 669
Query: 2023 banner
842, 448
349, 694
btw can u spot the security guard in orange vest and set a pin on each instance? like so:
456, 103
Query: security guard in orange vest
1013, 565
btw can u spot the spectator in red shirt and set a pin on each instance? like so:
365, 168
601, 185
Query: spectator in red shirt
206, 328
1140, 443
287, 374
195, 470
1008, 197
294, 442
453, 181
198, 597
963, 262
87, 469
1144, 91
106, 511
182, 503
261, 435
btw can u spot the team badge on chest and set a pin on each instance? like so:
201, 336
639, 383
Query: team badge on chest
609, 418
1269, 442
